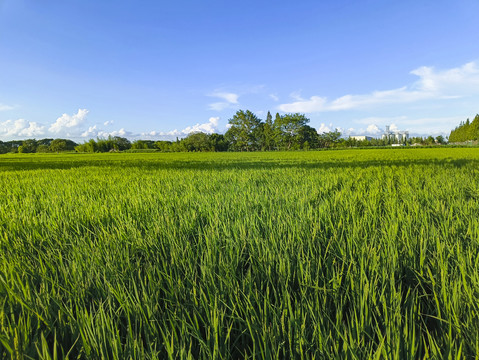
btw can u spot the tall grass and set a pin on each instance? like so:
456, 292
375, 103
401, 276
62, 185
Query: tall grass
338, 254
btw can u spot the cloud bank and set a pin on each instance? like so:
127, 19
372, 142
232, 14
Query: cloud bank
67, 123
432, 84
20, 128
209, 127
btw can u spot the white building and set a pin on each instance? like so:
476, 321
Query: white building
397, 136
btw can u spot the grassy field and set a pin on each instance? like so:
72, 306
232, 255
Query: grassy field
333, 254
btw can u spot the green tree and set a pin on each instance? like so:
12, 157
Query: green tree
430, 140
139, 145
268, 133
163, 146
42, 148
218, 142
277, 135
329, 139
289, 130
121, 143
309, 137
28, 146
198, 141
465, 131
244, 131
46, 141
58, 145
88, 146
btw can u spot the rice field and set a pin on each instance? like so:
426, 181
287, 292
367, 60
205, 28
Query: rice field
360, 254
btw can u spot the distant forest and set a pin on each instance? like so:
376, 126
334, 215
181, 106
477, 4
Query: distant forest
466, 131
246, 132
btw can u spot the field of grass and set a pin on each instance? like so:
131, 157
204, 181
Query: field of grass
333, 254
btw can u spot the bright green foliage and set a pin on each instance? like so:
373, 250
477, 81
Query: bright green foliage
361, 254
244, 132
58, 145
28, 146
466, 131
289, 130
143, 144
198, 142
112, 143
268, 133
328, 139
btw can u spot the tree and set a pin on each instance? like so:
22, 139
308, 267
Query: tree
28, 146
268, 133
198, 141
309, 137
163, 145
328, 139
46, 141
466, 131
90, 146
139, 145
112, 143
430, 140
121, 143
42, 148
289, 131
244, 131
58, 145
218, 142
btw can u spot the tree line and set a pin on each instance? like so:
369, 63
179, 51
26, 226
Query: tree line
246, 132
41, 146
466, 131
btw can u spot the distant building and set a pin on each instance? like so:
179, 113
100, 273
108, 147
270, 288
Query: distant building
397, 136
361, 137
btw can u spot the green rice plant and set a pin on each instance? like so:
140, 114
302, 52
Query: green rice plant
330, 254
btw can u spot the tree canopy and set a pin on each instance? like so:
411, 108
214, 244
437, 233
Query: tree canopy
466, 131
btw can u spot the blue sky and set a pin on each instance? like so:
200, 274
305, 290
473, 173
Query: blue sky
161, 69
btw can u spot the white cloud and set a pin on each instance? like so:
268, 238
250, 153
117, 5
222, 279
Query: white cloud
91, 132
347, 102
69, 122
296, 95
455, 81
432, 84
373, 129
415, 125
106, 123
4, 107
314, 104
393, 127
229, 99
94, 131
20, 128
324, 128
122, 133
209, 127
274, 97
